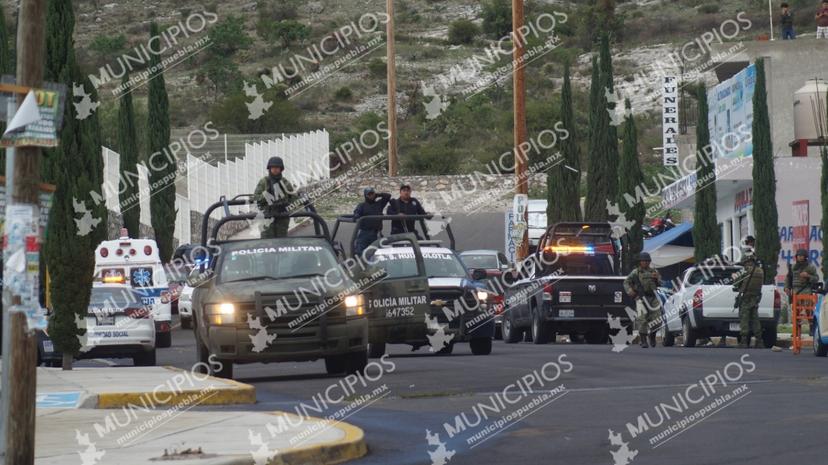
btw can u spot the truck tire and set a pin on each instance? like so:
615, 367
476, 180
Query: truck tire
576, 338
511, 335
336, 364
769, 336
597, 336
820, 349
376, 349
481, 346
669, 338
446, 350
356, 362
226, 370
163, 340
144, 359
689, 333
541, 331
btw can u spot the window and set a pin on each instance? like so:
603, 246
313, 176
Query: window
536, 220
488, 261
268, 262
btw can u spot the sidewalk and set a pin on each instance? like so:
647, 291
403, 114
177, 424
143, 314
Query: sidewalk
116, 437
138, 415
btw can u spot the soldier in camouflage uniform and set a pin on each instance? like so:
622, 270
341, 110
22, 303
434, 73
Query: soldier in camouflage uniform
641, 284
803, 275
749, 287
273, 194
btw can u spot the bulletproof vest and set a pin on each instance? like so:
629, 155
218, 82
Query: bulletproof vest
754, 279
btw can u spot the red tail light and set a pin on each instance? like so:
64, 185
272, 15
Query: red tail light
698, 299
104, 252
497, 301
137, 313
119, 252
777, 299
548, 288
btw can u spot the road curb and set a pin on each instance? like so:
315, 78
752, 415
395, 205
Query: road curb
236, 393
351, 447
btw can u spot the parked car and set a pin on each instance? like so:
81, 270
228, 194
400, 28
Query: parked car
703, 305
185, 307
821, 327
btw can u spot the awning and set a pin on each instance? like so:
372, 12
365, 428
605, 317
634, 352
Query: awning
671, 247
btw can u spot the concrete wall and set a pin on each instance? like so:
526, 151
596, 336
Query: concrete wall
788, 64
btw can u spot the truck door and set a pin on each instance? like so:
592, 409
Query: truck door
402, 296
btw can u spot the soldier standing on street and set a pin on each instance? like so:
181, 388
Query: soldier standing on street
273, 194
641, 284
749, 287
802, 277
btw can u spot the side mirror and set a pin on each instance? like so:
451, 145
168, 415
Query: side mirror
479, 274
198, 278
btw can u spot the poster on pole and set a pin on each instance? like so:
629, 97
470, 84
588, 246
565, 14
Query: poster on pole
21, 250
509, 247
519, 205
670, 120
802, 225
50, 101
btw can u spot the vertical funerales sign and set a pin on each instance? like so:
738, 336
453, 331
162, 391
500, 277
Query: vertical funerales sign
669, 120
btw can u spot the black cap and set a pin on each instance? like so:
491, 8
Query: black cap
275, 162
405, 186
644, 257
802, 253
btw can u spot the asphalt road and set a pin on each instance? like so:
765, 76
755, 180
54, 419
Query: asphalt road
777, 411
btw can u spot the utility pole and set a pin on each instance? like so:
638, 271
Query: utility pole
23, 169
392, 90
521, 183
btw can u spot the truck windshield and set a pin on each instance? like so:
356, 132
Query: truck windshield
578, 264
115, 297
401, 263
480, 261
267, 261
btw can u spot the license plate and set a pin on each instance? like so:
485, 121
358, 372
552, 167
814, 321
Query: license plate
619, 297
735, 327
565, 297
566, 313
105, 320
48, 346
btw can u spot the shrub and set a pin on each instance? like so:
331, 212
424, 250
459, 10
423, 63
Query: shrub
497, 18
377, 68
462, 31
344, 93
108, 44
709, 8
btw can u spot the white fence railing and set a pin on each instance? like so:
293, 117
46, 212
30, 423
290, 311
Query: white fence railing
200, 184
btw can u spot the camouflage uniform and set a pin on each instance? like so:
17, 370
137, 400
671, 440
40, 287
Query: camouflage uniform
749, 288
800, 285
643, 283
273, 194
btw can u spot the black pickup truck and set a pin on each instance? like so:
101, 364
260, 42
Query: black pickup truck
570, 285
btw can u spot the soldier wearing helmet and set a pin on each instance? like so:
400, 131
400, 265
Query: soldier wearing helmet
802, 276
641, 284
749, 287
273, 194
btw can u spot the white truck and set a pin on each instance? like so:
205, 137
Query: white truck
703, 305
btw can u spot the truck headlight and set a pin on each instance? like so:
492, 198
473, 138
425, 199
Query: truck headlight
354, 305
482, 296
221, 314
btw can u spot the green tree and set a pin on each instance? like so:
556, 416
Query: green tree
284, 32
228, 36
161, 180
564, 179
630, 177
707, 237
765, 215
497, 18
611, 148
77, 171
598, 174
223, 74
462, 31
128, 193
231, 114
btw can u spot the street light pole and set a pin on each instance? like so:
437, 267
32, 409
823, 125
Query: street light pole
391, 64
23, 177
519, 101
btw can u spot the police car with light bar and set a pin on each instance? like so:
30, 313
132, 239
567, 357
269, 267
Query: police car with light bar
136, 263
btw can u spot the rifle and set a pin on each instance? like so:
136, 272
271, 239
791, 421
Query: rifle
737, 303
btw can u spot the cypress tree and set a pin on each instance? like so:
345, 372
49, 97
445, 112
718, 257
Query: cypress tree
706, 233
631, 176
611, 134
562, 183
595, 207
128, 150
162, 181
77, 171
765, 215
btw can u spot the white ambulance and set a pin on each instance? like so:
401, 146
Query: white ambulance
135, 262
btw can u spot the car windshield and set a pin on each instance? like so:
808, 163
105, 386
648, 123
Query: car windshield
400, 263
251, 262
117, 297
537, 220
480, 261
713, 276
